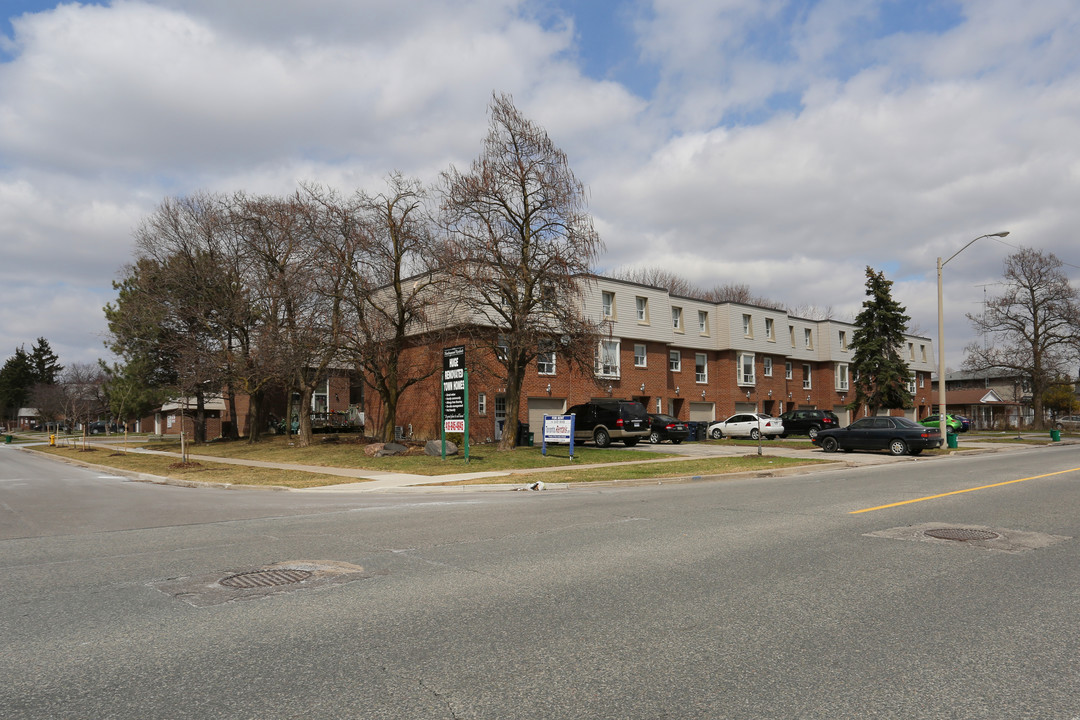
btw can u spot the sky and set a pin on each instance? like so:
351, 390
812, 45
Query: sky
781, 144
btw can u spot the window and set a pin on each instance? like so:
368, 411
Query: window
787, 371
747, 326
911, 350
659, 406
609, 304
676, 319
806, 376
769, 329
642, 309
545, 360
843, 340
766, 367
791, 333
746, 369
808, 338
703, 322
320, 399
675, 361
502, 349
922, 349
701, 367
922, 380
911, 384
842, 376
640, 356
481, 404
607, 359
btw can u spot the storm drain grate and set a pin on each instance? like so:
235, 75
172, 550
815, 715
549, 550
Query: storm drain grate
961, 534
265, 578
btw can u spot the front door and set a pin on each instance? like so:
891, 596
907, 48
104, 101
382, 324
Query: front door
500, 416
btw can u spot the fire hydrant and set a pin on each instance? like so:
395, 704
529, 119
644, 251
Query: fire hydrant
52, 440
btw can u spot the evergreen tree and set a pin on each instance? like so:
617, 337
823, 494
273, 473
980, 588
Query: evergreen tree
46, 364
16, 381
880, 373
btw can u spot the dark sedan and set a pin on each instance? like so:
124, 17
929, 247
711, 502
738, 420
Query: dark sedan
665, 427
898, 435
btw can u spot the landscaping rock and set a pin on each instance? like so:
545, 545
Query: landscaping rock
391, 449
373, 449
434, 448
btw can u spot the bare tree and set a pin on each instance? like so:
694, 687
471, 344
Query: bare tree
84, 399
1035, 324
296, 289
678, 285
519, 240
385, 246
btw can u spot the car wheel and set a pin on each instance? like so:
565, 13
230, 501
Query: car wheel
898, 447
829, 444
755, 434
601, 438
915, 451
630, 442
812, 432
676, 442
716, 433
783, 436
654, 437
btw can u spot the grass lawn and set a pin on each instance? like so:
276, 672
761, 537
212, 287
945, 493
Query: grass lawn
198, 472
346, 454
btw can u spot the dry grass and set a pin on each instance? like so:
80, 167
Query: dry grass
164, 466
685, 468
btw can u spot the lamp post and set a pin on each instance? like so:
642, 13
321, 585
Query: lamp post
941, 334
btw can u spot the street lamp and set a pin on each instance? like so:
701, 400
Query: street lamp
941, 334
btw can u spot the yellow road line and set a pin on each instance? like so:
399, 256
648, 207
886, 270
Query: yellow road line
958, 492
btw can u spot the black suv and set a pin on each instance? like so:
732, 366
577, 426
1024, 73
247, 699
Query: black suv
808, 422
604, 420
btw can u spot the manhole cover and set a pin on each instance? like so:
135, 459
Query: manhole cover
961, 534
265, 578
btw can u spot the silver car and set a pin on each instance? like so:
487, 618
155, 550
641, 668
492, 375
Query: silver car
751, 425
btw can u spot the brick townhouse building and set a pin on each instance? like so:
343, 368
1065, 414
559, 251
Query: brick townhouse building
696, 360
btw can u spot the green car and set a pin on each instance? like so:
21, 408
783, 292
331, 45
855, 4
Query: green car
951, 424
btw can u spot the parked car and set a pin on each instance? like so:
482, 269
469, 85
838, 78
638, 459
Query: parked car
898, 435
1068, 422
665, 427
965, 422
808, 422
605, 420
751, 425
100, 427
951, 423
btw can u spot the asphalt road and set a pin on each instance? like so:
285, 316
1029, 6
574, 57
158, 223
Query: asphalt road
747, 598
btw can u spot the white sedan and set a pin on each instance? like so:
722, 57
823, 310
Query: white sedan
751, 425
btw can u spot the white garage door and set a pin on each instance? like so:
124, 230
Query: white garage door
702, 412
538, 408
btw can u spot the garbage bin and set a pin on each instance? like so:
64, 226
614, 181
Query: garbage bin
952, 440
523, 435
693, 428
7, 439
530, 439
1055, 435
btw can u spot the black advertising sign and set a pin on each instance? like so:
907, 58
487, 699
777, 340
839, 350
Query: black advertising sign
453, 389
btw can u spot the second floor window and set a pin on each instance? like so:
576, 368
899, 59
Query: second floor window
768, 328
701, 367
746, 369
747, 326
640, 355
642, 309
787, 371
806, 374
675, 361
607, 358
842, 376
545, 361
766, 367
676, 318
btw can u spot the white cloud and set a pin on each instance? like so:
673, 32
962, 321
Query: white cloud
786, 146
